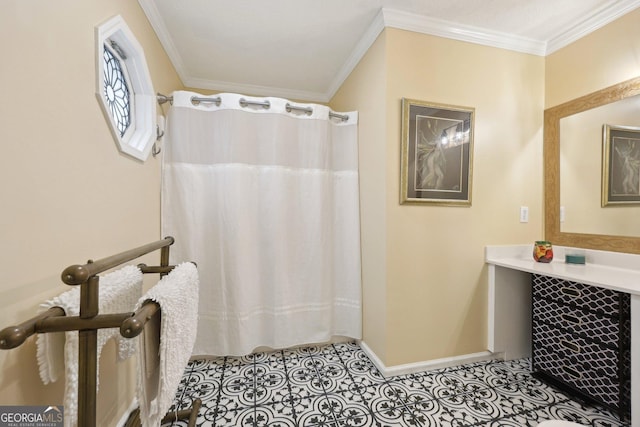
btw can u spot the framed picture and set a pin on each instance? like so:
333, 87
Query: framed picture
437, 152
620, 165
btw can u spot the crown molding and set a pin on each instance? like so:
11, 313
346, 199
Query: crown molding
597, 20
151, 11
451, 30
421, 24
400, 20
440, 28
368, 38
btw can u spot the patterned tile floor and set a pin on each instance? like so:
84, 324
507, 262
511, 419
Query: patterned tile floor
337, 385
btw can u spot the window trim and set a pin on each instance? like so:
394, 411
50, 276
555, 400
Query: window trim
138, 141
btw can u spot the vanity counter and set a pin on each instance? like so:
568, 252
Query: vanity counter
509, 306
620, 272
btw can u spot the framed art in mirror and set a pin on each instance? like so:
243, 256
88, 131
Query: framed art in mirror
437, 153
620, 165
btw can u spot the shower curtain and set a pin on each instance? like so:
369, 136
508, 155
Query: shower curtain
265, 201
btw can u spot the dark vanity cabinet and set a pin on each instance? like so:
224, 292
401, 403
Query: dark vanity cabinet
582, 340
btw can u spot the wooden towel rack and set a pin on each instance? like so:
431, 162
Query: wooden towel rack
90, 321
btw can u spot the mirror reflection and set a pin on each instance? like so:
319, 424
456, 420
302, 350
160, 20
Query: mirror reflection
581, 171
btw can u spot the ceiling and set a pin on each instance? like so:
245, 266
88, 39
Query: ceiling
305, 49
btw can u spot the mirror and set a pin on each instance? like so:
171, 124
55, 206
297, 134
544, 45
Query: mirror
581, 170
589, 225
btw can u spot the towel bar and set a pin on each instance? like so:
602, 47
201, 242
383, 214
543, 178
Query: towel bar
13, 336
89, 322
134, 325
54, 320
78, 274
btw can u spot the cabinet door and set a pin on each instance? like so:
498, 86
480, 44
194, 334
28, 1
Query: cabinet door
605, 302
585, 324
582, 364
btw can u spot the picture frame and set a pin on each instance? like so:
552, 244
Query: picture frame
437, 153
620, 165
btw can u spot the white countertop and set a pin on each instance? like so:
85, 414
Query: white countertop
611, 270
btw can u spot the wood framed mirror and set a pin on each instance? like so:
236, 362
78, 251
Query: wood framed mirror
552, 144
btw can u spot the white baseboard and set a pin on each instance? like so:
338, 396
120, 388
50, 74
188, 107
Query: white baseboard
427, 365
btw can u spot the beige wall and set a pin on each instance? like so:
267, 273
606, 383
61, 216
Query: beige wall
603, 58
429, 288
436, 281
365, 91
67, 193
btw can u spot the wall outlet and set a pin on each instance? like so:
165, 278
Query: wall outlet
524, 214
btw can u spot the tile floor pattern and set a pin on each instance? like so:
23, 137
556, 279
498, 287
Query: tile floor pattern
337, 385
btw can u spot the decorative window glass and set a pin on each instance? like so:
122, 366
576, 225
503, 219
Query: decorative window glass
116, 89
124, 88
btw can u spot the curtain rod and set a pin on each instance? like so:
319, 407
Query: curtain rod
195, 100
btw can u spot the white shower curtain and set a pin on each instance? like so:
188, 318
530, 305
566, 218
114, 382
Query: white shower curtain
266, 202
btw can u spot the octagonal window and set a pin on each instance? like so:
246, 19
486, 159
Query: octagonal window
124, 89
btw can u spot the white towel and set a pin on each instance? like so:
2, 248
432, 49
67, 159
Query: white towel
58, 352
177, 295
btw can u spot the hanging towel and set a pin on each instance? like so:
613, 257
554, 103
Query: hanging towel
58, 352
177, 295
